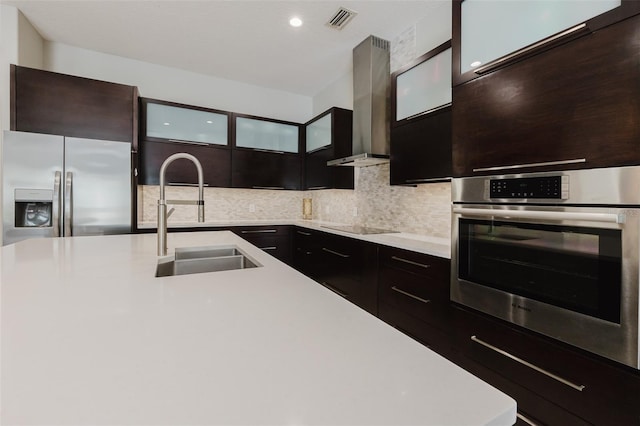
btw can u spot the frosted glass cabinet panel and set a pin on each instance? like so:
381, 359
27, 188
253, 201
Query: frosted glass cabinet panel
184, 124
269, 135
319, 133
491, 29
424, 87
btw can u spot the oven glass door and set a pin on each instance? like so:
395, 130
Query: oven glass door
572, 267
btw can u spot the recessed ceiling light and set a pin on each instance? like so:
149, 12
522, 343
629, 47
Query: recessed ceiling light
475, 64
295, 22
209, 122
166, 123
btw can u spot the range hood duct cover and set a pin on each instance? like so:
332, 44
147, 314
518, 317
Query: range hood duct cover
371, 94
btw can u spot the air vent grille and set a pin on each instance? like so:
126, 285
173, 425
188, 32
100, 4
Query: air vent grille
341, 18
380, 43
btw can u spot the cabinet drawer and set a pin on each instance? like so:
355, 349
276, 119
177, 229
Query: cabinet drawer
532, 407
423, 297
275, 240
435, 339
424, 265
593, 389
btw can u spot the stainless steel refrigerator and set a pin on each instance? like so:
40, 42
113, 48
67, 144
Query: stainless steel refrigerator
61, 186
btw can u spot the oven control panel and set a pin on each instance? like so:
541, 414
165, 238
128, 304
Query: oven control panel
544, 187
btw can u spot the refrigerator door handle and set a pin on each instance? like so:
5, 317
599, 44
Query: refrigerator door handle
68, 205
55, 220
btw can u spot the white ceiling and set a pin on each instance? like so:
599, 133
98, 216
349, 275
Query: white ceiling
247, 41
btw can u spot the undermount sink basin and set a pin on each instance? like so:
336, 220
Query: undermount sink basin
197, 260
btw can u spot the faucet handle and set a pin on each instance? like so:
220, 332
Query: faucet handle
170, 212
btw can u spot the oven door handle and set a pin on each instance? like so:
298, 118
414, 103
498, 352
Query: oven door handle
541, 215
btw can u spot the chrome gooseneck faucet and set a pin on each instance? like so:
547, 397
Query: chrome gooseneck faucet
162, 203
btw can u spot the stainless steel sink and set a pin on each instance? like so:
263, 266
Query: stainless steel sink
197, 260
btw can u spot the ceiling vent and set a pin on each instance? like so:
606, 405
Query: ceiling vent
341, 18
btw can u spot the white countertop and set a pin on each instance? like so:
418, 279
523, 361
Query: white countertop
90, 336
434, 246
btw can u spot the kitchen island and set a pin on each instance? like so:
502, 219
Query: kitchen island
91, 336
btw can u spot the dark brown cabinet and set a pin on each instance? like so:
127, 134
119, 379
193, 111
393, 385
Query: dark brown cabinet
421, 149
420, 144
539, 373
60, 104
169, 128
275, 240
344, 265
519, 32
327, 137
265, 170
266, 153
413, 296
216, 164
574, 106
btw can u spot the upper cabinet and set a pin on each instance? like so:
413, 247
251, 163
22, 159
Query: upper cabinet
576, 105
421, 125
263, 134
168, 128
60, 104
266, 153
327, 137
423, 85
185, 124
490, 34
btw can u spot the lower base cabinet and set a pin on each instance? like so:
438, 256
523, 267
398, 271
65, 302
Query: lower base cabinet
413, 296
552, 383
344, 265
275, 240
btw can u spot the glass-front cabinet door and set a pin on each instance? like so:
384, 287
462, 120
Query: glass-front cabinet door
266, 135
181, 124
489, 34
424, 87
319, 134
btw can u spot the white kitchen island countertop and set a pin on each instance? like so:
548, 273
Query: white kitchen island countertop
90, 337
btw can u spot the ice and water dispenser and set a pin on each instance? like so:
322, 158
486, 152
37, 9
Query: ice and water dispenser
33, 208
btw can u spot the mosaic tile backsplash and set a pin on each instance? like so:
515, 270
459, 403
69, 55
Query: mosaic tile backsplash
423, 210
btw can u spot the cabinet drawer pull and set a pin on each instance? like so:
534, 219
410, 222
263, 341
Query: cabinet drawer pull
522, 166
268, 248
336, 253
185, 184
428, 180
526, 419
335, 290
190, 142
259, 231
531, 48
413, 296
317, 187
528, 364
411, 262
268, 150
306, 234
267, 187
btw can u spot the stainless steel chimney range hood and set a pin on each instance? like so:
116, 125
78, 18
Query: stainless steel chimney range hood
371, 93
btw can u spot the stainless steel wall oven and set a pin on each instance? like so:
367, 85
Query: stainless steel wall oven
555, 252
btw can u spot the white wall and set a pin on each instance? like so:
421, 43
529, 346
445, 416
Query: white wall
172, 84
30, 44
434, 29
337, 94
